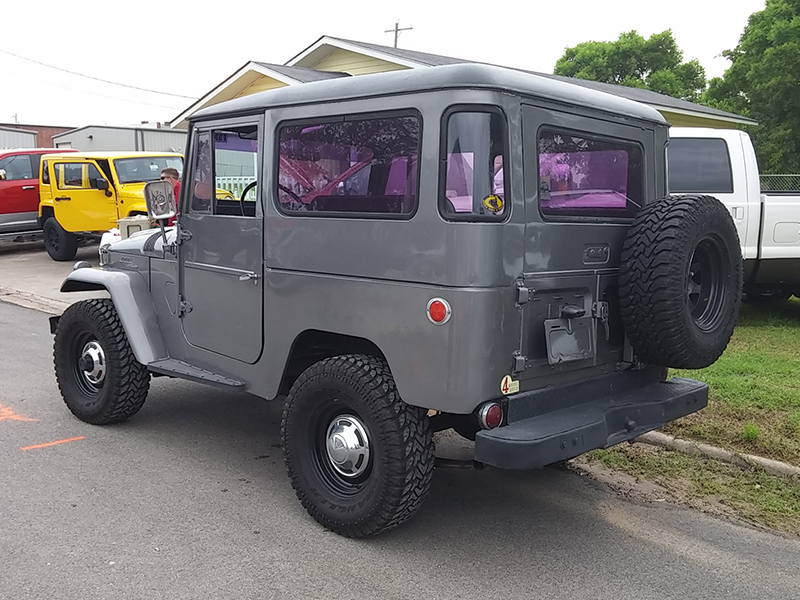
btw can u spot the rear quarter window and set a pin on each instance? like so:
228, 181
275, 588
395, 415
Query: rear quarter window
699, 165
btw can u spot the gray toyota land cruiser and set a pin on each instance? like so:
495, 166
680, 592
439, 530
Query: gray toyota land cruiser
462, 247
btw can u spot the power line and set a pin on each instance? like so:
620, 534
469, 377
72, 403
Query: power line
133, 87
119, 98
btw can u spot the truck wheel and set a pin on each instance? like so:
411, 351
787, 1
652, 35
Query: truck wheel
99, 377
680, 281
60, 244
360, 460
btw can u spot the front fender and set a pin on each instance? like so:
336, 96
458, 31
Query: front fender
134, 304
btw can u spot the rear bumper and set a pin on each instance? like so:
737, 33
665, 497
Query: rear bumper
558, 423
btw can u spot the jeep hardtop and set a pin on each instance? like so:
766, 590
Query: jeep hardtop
463, 247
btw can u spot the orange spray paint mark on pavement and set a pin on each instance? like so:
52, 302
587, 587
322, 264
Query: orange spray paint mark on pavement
7, 414
75, 439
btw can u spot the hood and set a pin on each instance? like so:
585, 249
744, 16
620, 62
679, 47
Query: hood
149, 242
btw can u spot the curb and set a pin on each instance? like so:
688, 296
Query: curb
32, 301
746, 461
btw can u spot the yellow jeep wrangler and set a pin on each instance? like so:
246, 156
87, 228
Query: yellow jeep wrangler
83, 194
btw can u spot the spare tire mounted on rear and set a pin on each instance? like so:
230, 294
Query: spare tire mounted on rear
680, 281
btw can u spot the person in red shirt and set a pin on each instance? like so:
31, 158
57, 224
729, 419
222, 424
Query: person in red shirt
171, 174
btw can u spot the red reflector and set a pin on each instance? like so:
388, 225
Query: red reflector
438, 311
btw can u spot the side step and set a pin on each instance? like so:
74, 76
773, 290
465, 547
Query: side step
177, 368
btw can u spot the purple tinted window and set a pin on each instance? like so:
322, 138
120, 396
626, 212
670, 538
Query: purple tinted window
352, 166
473, 179
583, 176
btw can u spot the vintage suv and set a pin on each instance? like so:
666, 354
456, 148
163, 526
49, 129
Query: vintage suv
84, 194
492, 252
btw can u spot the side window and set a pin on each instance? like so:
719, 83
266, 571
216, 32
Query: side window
587, 176
17, 167
472, 180
353, 166
699, 165
225, 174
71, 175
45, 173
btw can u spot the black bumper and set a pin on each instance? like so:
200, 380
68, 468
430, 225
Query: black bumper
557, 423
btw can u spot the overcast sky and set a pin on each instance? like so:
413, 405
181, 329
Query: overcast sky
177, 46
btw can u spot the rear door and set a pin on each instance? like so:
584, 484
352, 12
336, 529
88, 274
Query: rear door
585, 180
79, 204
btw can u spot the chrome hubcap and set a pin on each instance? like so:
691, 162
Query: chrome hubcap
93, 363
347, 445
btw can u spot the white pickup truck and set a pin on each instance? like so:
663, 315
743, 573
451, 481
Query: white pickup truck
722, 163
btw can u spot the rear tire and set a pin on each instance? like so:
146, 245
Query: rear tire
359, 458
98, 376
680, 282
61, 245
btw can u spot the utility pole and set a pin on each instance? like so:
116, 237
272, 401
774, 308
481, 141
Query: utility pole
397, 29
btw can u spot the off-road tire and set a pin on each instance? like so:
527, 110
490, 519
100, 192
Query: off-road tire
398, 475
123, 389
680, 282
61, 245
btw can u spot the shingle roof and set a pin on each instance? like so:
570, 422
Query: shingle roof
636, 94
301, 73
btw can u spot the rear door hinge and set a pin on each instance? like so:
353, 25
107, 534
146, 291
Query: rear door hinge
523, 294
600, 312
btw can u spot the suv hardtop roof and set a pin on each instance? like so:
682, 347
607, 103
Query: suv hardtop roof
420, 80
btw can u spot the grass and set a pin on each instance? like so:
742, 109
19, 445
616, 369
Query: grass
711, 485
754, 399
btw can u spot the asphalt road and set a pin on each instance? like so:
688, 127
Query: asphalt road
189, 499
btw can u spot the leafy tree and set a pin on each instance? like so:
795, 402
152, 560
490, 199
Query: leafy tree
654, 64
763, 83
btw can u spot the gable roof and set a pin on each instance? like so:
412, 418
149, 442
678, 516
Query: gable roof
411, 58
245, 76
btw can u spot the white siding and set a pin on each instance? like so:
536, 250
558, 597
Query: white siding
17, 138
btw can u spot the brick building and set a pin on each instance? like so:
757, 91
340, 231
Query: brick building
44, 133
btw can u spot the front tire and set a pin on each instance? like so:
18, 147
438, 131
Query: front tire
98, 376
360, 459
60, 244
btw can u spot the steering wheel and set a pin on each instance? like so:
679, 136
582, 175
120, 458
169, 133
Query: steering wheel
290, 192
247, 188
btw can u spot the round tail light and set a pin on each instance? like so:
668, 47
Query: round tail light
490, 415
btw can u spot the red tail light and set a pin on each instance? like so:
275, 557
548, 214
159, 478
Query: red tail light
490, 415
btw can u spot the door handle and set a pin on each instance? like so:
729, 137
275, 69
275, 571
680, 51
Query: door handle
249, 277
63, 198
28, 187
570, 311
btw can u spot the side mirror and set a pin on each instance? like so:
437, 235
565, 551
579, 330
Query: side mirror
160, 199
2, 174
102, 184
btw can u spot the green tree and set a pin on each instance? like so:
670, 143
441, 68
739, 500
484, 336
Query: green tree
763, 83
655, 64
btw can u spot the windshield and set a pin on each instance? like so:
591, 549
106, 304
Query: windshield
145, 168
